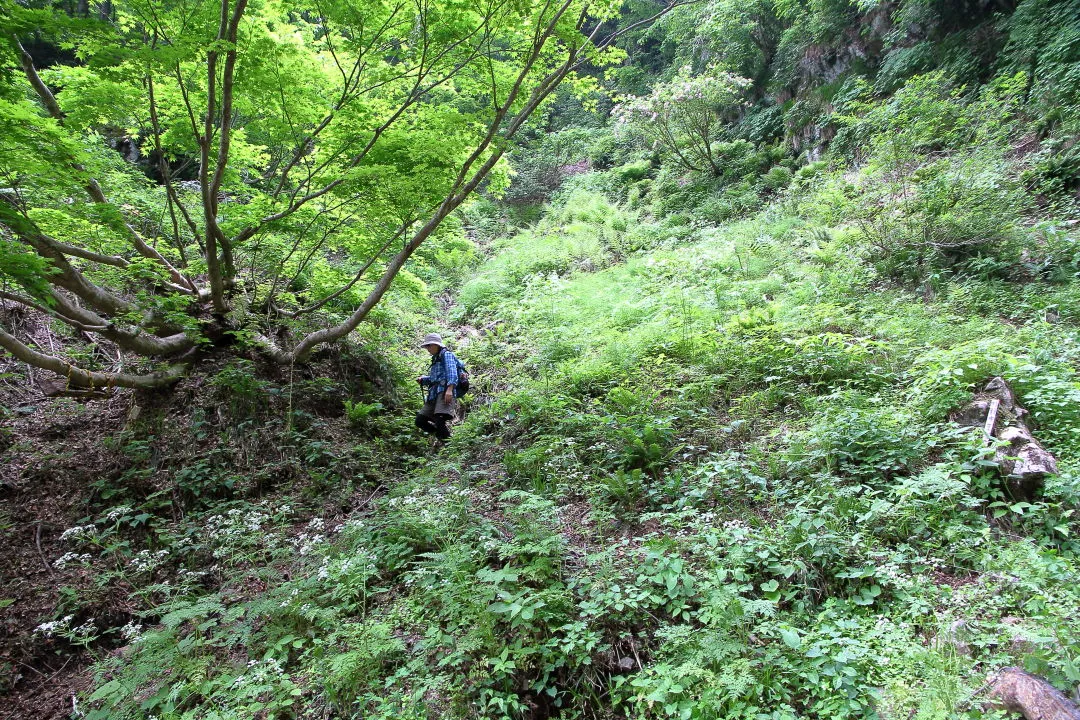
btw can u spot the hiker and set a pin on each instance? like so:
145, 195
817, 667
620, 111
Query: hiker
441, 385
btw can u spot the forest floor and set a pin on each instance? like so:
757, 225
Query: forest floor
62, 458
55, 454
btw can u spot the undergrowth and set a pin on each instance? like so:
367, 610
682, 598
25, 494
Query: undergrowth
710, 474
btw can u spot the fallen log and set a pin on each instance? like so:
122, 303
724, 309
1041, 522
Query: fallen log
1021, 692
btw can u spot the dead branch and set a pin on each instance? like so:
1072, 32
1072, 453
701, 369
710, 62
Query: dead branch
37, 542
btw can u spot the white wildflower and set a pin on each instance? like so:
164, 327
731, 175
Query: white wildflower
85, 631
146, 560
71, 558
117, 512
132, 632
78, 532
49, 628
305, 543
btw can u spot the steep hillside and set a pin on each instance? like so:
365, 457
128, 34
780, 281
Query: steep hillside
756, 314
714, 478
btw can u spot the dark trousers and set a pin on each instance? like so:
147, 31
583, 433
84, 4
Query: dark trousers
433, 418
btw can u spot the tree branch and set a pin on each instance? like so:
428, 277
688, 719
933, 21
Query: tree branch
419, 91
92, 187
461, 188
227, 80
356, 278
113, 260
135, 341
172, 199
28, 302
80, 378
350, 85
42, 90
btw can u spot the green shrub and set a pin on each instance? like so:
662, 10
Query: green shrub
925, 214
1054, 169
633, 172
241, 388
1043, 39
902, 63
541, 167
777, 178
589, 376
963, 219
361, 414
856, 439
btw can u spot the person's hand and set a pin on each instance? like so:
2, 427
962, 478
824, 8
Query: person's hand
449, 396
421, 379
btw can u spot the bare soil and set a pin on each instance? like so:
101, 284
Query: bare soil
53, 452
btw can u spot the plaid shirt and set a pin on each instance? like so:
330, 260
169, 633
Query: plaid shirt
444, 371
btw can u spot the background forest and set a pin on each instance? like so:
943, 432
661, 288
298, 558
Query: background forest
724, 273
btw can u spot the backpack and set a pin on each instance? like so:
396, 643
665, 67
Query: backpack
463, 377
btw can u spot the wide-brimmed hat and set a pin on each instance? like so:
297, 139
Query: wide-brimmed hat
432, 339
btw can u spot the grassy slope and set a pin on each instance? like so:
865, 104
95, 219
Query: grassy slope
710, 479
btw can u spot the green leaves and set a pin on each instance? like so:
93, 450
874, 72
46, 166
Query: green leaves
791, 638
354, 130
519, 608
25, 268
1001, 509
867, 595
770, 589
684, 116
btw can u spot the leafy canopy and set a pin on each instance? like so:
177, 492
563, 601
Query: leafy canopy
284, 150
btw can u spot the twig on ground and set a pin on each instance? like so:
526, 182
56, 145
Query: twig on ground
633, 649
28, 667
971, 698
51, 677
37, 542
369, 498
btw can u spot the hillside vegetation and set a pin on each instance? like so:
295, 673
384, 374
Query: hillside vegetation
720, 312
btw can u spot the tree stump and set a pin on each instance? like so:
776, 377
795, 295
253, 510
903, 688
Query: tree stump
1023, 461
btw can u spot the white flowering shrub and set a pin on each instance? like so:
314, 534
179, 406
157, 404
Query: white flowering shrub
83, 634
685, 117
71, 559
48, 629
426, 517
78, 533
